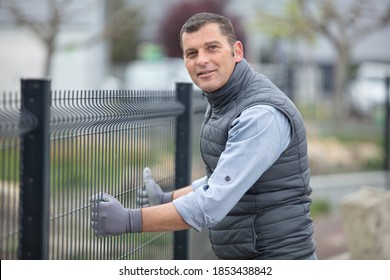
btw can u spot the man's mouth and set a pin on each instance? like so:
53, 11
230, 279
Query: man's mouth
205, 73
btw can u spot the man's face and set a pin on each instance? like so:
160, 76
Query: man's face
209, 58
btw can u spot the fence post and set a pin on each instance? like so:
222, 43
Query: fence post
183, 160
387, 130
34, 172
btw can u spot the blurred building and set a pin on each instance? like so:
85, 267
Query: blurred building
312, 77
79, 65
76, 64
155, 74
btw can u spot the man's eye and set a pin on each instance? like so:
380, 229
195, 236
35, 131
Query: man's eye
212, 47
191, 55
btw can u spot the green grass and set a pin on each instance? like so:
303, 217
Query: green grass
320, 207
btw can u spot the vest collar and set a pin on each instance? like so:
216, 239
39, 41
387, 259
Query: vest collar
234, 85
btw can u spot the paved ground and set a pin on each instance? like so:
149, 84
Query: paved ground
328, 229
330, 238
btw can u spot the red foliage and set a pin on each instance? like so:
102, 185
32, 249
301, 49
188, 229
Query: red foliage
178, 14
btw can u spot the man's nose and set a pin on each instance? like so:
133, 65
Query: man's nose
202, 58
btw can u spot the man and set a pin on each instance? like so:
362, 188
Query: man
255, 197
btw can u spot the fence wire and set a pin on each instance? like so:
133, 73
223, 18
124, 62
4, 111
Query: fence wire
13, 124
100, 141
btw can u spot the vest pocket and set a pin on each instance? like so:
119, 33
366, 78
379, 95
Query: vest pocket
235, 240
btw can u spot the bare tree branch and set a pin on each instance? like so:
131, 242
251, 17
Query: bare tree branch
343, 24
46, 28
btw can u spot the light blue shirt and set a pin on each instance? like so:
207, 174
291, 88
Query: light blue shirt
256, 139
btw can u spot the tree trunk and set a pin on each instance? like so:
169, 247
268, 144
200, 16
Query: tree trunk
341, 72
50, 47
47, 64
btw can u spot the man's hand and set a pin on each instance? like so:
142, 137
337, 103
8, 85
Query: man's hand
109, 217
152, 193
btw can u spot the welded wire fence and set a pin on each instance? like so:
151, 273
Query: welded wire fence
98, 141
12, 125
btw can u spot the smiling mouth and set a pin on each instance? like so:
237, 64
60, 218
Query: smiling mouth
204, 73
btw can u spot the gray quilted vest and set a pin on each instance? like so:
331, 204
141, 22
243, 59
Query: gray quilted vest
272, 220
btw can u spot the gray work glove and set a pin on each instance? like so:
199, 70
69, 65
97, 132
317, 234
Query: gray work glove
109, 217
152, 193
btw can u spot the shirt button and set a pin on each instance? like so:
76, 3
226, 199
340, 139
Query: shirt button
227, 178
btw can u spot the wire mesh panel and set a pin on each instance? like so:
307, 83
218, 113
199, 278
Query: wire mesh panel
13, 124
200, 247
101, 142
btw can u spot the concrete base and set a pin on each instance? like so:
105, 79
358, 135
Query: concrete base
366, 220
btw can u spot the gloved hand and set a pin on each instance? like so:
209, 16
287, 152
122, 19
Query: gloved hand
109, 217
152, 193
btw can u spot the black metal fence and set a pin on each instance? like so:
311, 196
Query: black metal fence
57, 148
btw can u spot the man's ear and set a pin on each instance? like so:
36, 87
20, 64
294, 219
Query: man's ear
238, 51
